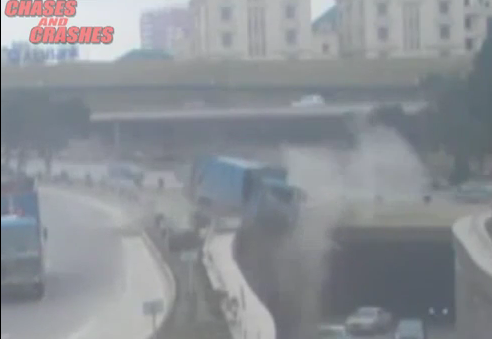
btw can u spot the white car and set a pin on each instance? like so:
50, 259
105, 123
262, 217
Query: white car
369, 320
309, 100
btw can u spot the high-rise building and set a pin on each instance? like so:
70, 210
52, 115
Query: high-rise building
251, 29
162, 28
412, 28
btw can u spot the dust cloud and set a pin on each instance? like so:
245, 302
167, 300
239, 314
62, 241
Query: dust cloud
382, 164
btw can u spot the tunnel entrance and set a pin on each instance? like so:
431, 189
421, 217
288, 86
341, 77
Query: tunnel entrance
406, 272
406, 277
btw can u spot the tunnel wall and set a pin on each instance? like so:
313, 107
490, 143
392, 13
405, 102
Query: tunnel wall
473, 246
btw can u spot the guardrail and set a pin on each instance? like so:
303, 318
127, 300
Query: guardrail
247, 317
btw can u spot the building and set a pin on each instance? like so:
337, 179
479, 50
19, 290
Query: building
411, 28
251, 29
325, 42
162, 28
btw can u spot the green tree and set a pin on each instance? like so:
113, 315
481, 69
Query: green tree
12, 121
31, 121
61, 121
480, 92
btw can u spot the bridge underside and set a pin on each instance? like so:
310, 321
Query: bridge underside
176, 136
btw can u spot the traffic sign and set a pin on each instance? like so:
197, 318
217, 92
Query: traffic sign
153, 307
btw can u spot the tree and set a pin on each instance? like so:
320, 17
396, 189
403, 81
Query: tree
64, 120
61, 121
480, 91
31, 121
461, 120
12, 121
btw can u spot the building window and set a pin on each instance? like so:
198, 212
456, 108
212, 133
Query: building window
469, 44
290, 11
226, 39
444, 7
383, 34
226, 14
468, 22
382, 8
325, 48
291, 37
445, 32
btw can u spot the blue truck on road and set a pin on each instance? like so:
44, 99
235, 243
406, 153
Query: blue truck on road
256, 192
22, 235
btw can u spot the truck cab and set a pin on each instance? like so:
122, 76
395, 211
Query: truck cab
276, 203
22, 254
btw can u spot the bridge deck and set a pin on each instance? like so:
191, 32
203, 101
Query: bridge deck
314, 73
401, 215
244, 113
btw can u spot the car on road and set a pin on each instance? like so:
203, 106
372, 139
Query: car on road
410, 329
369, 320
327, 331
309, 101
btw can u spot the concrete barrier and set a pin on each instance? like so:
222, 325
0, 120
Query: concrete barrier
473, 247
247, 317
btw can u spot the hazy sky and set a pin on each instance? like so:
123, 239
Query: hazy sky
124, 18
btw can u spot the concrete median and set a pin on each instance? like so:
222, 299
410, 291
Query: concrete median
246, 315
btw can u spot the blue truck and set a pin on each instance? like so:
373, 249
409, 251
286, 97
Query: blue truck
23, 236
256, 192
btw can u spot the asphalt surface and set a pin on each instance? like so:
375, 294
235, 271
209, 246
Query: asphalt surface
98, 276
85, 266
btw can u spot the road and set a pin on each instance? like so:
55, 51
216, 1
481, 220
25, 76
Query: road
97, 279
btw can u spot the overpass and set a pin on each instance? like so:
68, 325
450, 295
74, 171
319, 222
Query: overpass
331, 109
149, 85
303, 125
403, 220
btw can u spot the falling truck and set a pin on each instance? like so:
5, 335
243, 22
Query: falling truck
23, 236
257, 193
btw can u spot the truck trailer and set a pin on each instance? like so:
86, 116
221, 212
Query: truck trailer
23, 236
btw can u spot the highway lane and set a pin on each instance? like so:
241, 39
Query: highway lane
97, 279
85, 266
